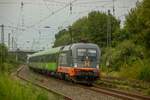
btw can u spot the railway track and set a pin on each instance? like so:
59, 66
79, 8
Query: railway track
96, 88
116, 93
120, 94
39, 85
131, 82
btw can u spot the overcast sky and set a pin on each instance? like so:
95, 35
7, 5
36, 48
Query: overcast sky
27, 22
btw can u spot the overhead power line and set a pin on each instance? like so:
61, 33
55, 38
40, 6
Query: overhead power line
31, 3
93, 2
60, 2
46, 5
45, 18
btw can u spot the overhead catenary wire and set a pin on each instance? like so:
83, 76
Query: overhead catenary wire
93, 2
28, 2
45, 18
46, 5
54, 1
81, 12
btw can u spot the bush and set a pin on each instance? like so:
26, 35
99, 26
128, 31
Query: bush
145, 73
125, 53
131, 71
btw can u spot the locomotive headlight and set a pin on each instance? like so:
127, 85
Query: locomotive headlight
97, 66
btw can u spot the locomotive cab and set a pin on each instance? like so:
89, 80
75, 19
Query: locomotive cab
86, 59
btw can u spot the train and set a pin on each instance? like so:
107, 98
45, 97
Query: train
78, 62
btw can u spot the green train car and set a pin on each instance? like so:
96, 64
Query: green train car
45, 60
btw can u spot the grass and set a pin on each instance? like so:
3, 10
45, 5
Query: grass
136, 76
11, 89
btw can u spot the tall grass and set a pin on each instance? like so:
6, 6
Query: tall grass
13, 90
140, 69
145, 73
131, 71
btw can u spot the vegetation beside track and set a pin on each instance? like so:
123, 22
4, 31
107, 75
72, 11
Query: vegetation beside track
12, 89
128, 54
133, 86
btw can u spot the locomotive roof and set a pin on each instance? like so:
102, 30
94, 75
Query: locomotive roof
50, 51
57, 49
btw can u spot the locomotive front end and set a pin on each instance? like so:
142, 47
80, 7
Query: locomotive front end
86, 62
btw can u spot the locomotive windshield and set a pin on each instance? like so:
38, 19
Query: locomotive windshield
81, 52
86, 57
87, 52
92, 53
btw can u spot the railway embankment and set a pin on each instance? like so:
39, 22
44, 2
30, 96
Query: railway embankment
67, 89
128, 85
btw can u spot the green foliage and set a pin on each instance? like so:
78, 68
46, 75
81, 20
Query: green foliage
130, 49
13, 90
98, 24
92, 28
145, 73
3, 53
125, 53
138, 23
131, 71
80, 30
120, 35
62, 39
7, 60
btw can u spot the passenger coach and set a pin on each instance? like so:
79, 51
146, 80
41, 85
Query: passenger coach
77, 62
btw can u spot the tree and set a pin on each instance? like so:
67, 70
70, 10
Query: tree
98, 24
61, 38
80, 30
92, 28
138, 23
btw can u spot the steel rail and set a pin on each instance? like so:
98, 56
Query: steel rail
119, 93
39, 85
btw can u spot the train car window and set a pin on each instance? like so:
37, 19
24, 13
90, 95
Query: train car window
42, 59
54, 57
47, 58
51, 58
32, 59
35, 59
39, 59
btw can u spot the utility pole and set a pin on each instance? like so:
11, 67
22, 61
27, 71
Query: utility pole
109, 29
113, 7
8, 40
15, 44
22, 12
2, 33
70, 8
12, 43
2, 46
70, 31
